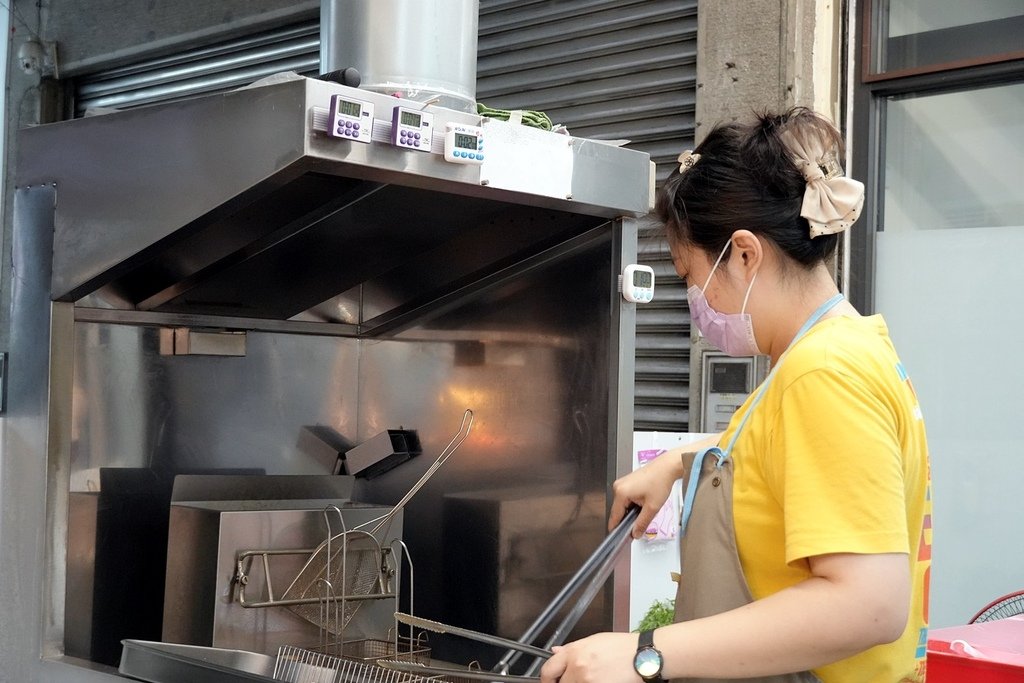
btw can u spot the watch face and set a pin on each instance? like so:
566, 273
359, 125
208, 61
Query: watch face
647, 662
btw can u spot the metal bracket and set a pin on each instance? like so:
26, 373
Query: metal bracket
184, 341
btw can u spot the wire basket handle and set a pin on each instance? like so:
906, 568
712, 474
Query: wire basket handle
453, 445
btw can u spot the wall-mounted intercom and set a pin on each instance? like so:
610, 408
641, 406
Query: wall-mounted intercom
725, 384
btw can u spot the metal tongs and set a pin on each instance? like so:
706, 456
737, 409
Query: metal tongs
590, 577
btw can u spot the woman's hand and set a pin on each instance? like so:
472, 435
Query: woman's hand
650, 486
600, 658
852, 603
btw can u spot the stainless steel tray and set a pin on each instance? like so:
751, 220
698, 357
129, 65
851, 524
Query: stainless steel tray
157, 662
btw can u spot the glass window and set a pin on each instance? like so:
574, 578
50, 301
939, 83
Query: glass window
954, 160
948, 282
917, 35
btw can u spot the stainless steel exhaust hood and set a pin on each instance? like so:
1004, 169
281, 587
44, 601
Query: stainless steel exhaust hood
239, 204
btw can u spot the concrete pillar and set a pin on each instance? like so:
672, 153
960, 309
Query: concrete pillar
766, 54
754, 55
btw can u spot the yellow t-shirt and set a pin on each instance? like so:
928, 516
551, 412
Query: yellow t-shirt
834, 460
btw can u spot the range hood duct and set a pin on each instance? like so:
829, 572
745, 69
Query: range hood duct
424, 50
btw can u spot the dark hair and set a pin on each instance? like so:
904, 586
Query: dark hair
746, 179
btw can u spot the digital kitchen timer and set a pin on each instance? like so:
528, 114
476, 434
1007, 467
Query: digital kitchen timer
350, 119
411, 129
464, 144
637, 283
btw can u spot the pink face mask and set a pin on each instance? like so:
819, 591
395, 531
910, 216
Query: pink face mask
732, 333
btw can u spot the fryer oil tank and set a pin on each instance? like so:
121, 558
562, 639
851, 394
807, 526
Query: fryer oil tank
202, 599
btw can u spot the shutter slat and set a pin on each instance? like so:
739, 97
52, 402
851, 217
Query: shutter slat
201, 71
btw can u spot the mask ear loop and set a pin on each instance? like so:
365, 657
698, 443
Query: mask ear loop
715, 267
747, 295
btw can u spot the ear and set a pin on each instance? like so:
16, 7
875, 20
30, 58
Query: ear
747, 252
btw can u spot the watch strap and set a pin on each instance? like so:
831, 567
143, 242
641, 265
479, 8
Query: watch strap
646, 639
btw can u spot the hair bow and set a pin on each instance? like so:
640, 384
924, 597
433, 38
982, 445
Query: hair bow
831, 202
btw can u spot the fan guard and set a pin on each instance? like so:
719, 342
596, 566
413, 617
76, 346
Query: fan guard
1007, 606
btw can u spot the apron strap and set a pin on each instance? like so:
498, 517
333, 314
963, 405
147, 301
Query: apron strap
723, 456
691, 483
808, 324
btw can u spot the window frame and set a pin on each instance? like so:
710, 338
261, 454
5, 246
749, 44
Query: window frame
871, 93
875, 16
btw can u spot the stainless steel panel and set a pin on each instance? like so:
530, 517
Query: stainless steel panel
272, 204
23, 430
619, 389
171, 663
136, 408
516, 558
31, 621
193, 488
81, 573
533, 358
310, 324
530, 354
424, 49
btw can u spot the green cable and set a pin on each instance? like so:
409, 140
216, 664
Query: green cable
535, 119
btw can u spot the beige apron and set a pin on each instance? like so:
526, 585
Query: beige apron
711, 579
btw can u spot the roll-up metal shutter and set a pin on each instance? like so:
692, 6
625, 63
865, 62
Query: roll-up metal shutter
201, 71
662, 391
607, 69
612, 69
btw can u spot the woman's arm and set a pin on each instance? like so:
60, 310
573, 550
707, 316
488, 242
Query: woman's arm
851, 603
650, 485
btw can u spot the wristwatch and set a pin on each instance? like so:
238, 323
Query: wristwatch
647, 661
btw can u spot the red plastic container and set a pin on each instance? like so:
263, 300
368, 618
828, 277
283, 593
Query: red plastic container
989, 652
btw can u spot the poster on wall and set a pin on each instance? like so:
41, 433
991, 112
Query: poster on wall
655, 557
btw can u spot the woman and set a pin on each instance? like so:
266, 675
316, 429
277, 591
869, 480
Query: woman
806, 545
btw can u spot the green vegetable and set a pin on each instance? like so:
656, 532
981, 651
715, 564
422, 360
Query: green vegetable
660, 613
536, 119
